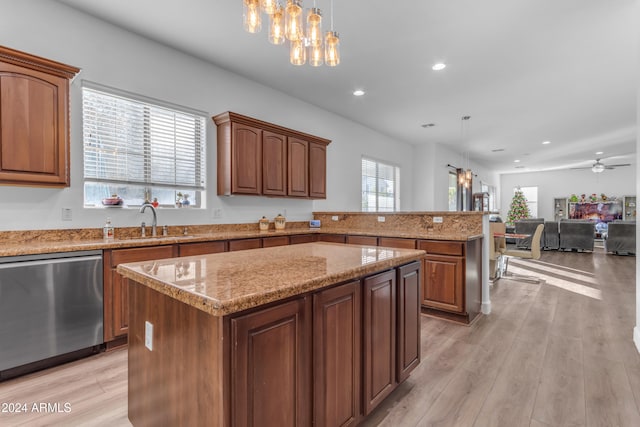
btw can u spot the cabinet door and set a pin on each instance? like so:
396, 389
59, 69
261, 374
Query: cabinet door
274, 164
333, 238
379, 343
271, 366
408, 334
302, 238
337, 355
246, 152
317, 170
393, 242
120, 311
442, 284
298, 167
33, 127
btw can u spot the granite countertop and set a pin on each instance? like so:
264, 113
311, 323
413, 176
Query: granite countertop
41, 246
229, 282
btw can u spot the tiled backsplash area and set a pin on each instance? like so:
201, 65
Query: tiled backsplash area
469, 223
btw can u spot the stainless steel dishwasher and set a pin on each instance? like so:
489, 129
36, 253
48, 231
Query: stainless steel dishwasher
50, 304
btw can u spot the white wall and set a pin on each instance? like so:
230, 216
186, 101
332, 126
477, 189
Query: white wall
562, 183
431, 175
113, 57
636, 330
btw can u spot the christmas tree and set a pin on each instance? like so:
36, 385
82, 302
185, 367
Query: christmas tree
519, 209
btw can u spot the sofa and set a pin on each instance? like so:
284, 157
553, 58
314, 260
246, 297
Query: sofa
527, 226
576, 235
621, 237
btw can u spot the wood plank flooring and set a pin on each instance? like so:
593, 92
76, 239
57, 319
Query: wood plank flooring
558, 353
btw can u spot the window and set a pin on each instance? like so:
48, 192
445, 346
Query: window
453, 191
531, 194
140, 151
380, 186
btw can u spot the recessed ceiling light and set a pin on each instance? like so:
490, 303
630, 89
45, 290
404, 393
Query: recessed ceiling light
358, 92
439, 66
546, 142
599, 152
516, 161
428, 125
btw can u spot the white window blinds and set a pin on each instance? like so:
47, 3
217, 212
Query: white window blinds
380, 186
128, 141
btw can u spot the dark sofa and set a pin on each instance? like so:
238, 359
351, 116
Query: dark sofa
576, 234
621, 237
551, 235
528, 226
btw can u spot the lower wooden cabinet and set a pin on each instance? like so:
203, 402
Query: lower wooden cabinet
271, 366
116, 295
362, 240
379, 341
337, 355
452, 278
408, 337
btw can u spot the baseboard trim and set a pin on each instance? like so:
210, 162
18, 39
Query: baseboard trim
636, 337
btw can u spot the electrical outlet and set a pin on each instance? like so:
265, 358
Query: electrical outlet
334, 218
148, 335
217, 213
66, 214
437, 220
381, 219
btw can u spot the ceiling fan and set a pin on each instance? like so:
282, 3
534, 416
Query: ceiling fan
599, 167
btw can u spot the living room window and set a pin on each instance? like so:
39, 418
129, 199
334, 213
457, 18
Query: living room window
380, 186
141, 150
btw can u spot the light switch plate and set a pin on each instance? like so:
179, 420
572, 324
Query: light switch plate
148, 335
67, 214
437, 220
381, 219
334, 218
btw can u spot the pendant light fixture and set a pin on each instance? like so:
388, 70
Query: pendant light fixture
298, 52
304, 31
332, 45
293, 20
251, 16
269, 6
276, 26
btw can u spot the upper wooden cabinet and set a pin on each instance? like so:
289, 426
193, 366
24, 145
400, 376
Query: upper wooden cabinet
260, 158
34, 120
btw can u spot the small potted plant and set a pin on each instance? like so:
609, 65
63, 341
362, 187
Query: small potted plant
179, 199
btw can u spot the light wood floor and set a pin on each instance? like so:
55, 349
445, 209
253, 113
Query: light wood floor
558, 353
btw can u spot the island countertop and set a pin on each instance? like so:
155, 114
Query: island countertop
229, 282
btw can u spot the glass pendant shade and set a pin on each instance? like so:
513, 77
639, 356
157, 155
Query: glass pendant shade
269, 6
314, 27
293, 20
316, 55
276, 26
298, 53
251, 16
332, 49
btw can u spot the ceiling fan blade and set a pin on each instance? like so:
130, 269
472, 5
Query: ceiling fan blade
584, 167
620, 165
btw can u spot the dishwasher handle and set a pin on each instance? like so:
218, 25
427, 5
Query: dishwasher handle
49, 261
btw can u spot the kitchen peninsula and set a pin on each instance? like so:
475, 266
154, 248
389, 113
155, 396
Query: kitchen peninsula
312, 333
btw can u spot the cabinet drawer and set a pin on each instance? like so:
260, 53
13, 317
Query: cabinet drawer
201, 248
362, 240
441, 247
333, 238
393, 242
120, 256
302, 238
268, 242
239, 245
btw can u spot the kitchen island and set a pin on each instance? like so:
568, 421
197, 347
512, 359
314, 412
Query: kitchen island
316, 333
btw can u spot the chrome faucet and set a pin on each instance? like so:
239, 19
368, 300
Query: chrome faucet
154, 224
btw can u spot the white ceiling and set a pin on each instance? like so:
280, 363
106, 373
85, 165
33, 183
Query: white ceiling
526, 71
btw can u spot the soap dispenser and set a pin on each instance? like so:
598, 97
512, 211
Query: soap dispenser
107, 230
